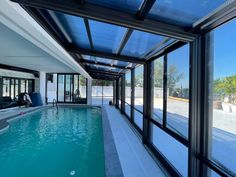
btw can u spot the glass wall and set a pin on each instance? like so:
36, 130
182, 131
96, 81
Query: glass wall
71, 88
158, 89
52, 88
11, 88
107, 91
82, 86
178, 90
120, 93
128, 94
102, 92
138, 97
171, 108
222, 97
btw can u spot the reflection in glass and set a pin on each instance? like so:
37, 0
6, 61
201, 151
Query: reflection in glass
158, 89
138, 96
22, 86
61, 88
6, 87
128, 93
82, 86
175, 152
178, 90
68, 89
222, 97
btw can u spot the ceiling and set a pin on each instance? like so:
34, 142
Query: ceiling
17, 51
108, 38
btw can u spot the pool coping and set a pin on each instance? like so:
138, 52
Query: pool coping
112, 162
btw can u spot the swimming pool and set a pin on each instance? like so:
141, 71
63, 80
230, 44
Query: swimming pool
54, 143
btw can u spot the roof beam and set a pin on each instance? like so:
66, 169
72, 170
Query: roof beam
103, 72
105, 64
223, 14
145, 8
124, 41
88, 33
77, 50
156, 47
111, 16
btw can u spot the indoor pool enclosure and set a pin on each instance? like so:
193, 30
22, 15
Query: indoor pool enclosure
117, 88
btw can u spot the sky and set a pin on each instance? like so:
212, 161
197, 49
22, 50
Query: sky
225, 50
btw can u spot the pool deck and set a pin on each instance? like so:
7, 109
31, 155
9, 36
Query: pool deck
134, 158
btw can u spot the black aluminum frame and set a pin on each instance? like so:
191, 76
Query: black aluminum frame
199, 72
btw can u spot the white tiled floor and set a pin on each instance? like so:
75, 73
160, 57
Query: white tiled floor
134, 158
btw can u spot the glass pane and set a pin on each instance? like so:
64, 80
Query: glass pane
107, 91
16, 87
178, 90
138, 90
106, 37
61, 88
140, 43
128, 93
68, 88
138, 119
75, 29
6, 87
128, 110
83, 86
128, 87
22, 86
222, 98
12, 88
76, 91
27, 86
51, 87
183, 12
175, 152
97, 92
158, 89
30, 86
130, 6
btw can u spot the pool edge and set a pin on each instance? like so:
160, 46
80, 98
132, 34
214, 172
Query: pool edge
112, 162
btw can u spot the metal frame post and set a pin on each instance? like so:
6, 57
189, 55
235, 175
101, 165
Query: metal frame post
147, 99
132, 95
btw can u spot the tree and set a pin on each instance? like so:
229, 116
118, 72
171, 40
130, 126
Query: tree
226, 87
173, 76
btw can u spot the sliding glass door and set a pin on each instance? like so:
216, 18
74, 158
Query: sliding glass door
69, 89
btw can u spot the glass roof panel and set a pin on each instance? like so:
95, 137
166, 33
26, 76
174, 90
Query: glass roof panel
140, 43
106, 37
74, 28
183, 12
106, 61
130, 6
104, 68
160, 48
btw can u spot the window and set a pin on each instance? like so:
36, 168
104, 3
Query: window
107, 91
138, 97
83, 86
158, 89
6, 87
128, 94
175, 152
102, 92
22, 86
61, 88
222, 96
178, 90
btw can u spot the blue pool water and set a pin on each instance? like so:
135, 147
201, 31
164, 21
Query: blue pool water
51, 143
